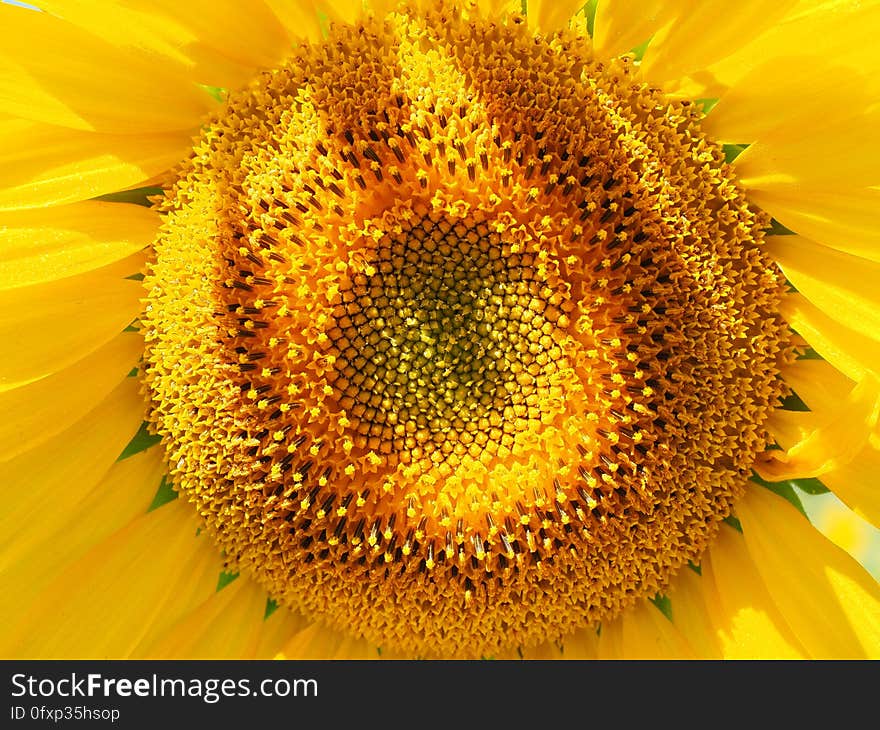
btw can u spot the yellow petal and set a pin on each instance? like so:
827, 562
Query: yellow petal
857, 485
38, 411
319, 642
747, 622
783, 164
829, 440
136, 583
43, 489
783, 92
848, 351
621, 25
846, 222
706, 31
840, 285
788, 428
813, 34
496, 8
780, 174
226, 625
582, 644
43, 245
44, 165
831, 603
825, 391
691, 615
300, 19
642, 632
546, 651
278, 630
54, 325
124, 494
550, 15
164, 37
340, 11
73, 78
853, 481
250, 34
845, 528
818, 383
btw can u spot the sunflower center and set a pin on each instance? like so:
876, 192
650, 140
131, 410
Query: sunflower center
457, 338
442, 339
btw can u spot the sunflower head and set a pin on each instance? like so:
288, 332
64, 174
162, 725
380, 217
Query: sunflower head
457, 336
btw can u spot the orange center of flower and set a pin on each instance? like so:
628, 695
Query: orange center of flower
457, 338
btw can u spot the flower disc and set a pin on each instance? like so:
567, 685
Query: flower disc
457, 338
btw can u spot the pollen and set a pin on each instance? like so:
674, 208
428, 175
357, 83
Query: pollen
457, 338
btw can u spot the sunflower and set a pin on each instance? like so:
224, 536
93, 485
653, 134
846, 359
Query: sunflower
439, 329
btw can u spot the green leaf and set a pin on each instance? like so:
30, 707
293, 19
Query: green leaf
809, 486
732, 151
217, 92
707, 104
324, 23
590, 13
138, 196
664, 604
271, 607
698, 569
810, 354
638, 51
734, 523
142, 441
164, 495
793, 402
777, 229
225, 579
784, 490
